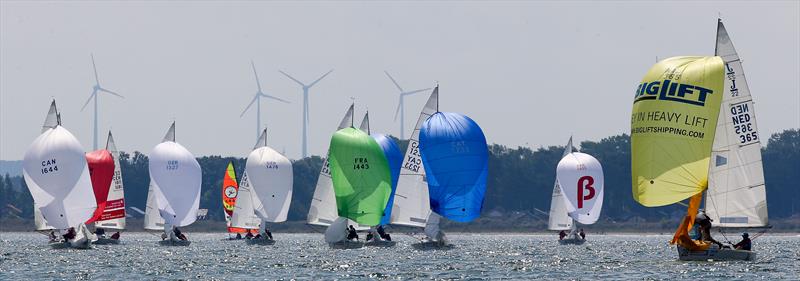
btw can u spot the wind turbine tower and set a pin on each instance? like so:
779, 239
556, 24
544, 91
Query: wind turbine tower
305, 106
95, 90
400, 106
257, 100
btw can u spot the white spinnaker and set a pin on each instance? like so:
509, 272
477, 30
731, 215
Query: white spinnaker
178, 177
736, 195
411, 205
152, 219
559, 218
244, 212
57, 176
116, 193
271, 177
581, 179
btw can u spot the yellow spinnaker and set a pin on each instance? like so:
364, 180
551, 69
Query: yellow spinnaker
672, 128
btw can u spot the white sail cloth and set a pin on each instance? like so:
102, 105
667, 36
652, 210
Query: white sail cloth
116, 195
581, 179
271, 177
736, 195
247, 205
558, 218
152, 218
57, 176
411, 205
177, 175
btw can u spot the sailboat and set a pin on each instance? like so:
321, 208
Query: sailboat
377, 236
322, 210
57, 176
230, 192
244, 212
175, 178
559, 219
271, 178
443, 174
718, 153
106, 173
580, 178
362, 182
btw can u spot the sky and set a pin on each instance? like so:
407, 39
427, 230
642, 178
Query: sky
529, 73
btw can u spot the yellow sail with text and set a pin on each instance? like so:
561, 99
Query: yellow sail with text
674, 119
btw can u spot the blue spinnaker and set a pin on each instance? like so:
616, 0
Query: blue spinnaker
455, 157
395, 159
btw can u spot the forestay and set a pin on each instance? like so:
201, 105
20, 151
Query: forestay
411, 205
57, 176
558, 218
581, 179
178, 177
455, 157
736, 195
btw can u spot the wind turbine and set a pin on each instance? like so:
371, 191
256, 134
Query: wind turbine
257, 101
305, 106
400, 106
96, 89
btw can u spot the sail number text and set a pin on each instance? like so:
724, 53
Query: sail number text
413, 161
172, 165
49, 166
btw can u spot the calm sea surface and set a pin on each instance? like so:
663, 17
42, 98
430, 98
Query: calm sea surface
26, 256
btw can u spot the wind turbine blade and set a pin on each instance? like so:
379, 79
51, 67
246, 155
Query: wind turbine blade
275, 98
110, 92
320, 78
397, 111
416, 91
96, 79
393, 81
258, 83
89, 99
290, 77
249, 105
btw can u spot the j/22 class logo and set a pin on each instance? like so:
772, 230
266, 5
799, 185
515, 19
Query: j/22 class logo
671, 91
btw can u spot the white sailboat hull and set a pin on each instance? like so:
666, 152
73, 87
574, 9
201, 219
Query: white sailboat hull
714, 253
260, 241
572, 241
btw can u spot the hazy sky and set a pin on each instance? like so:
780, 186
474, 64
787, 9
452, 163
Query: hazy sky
528, 73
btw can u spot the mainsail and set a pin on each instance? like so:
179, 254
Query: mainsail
558, 218
176, 174
361, 178
57, 176
271, 177
113, 216
455, 157
581, 179
411, 202
247, 204
736, 195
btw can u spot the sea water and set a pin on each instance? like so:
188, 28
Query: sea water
26, 256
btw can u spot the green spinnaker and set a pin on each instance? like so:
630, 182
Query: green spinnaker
361, 178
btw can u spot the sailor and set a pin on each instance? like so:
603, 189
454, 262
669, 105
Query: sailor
238, 236
70, 234
52, 236
100, 232
115, 236
745, 244
383, 234
369, 236
351, 233
583, 234
267, 233
704, 223
249, 235
562, 234
179, 234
